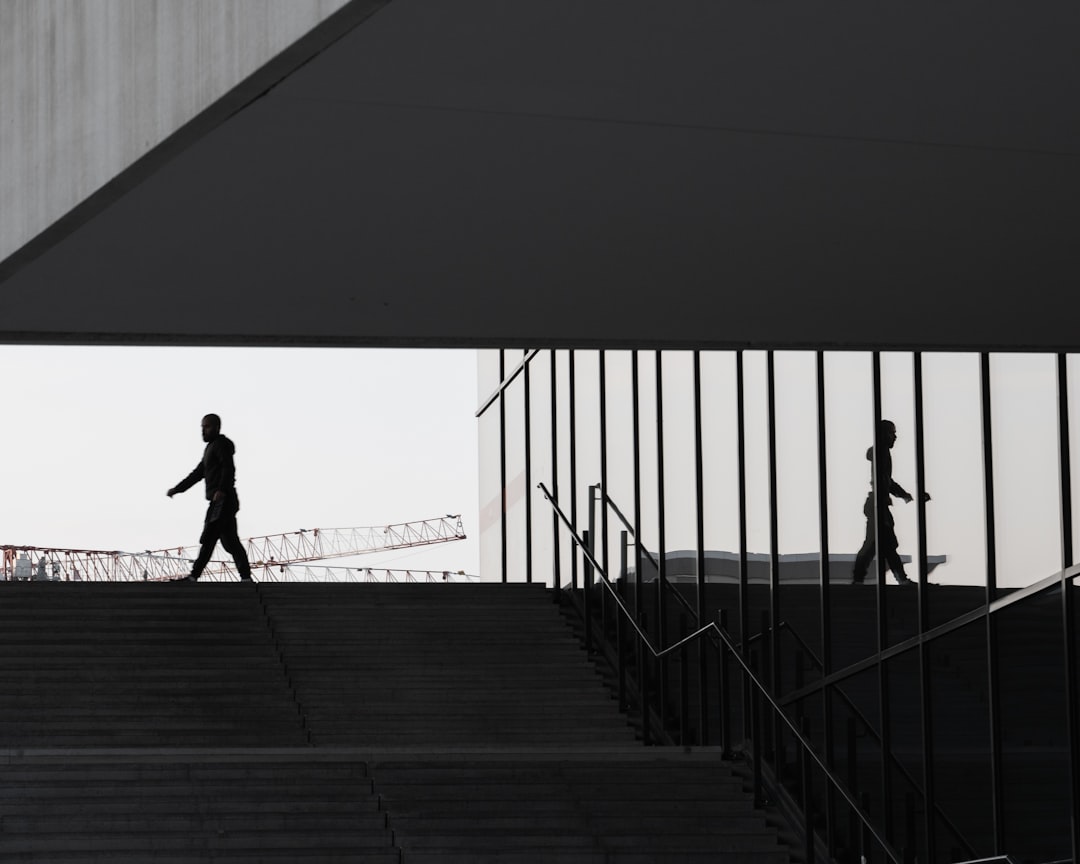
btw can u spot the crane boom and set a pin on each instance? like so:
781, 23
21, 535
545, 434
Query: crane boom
318, 573
52, 564
318, 544
272, 552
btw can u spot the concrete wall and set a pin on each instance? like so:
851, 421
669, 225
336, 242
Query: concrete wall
89, 86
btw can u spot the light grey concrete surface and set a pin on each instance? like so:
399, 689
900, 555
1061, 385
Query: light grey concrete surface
89, 86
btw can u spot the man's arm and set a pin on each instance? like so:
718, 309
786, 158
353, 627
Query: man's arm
189, 481
900, 492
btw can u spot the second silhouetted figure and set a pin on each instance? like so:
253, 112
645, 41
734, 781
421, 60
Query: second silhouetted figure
888, 487
218, 471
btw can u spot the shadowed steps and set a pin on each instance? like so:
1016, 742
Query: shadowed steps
335, 723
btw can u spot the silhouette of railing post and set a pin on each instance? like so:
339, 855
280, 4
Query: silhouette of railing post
755, 734
806, 781
596, 497
865, 839
587, 581
723, 685
620, 636
661, 662
643, 681
800, 714
771, 732
911, 839
684, 686
855, 840
556, 573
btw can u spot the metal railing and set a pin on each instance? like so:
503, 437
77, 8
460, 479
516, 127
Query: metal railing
597, 493
760, 694
604, 498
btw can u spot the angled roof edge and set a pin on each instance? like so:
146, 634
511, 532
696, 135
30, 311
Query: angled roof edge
252, 88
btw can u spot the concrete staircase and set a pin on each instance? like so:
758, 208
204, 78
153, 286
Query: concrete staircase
438, 665
180, 806
152, 665
645, 806
335, 723
1035, 758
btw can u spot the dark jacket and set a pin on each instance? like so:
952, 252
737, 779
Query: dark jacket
216, 468
890, 485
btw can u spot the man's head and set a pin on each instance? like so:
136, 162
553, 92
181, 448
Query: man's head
886, 432
211, 427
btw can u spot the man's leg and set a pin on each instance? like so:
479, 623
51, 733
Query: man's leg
866, 553
892, 558
208, 539
890, 547
230, 539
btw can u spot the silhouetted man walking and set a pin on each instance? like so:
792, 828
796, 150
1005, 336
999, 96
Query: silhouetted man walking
886, 437
216, 468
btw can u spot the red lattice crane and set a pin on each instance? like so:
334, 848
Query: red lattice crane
268, 552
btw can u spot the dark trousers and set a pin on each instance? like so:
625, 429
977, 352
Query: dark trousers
220, 525
889, 545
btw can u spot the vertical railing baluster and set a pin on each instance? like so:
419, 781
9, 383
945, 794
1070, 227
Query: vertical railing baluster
528, 473
825, 627
586, 566
1068, 610
619, 635
911, 848
572, 395
866, 840
661, 547
763, 671
502, 465
925, 689
806, 782
643, 682
684, 686
699, 534
773, 669
724, 690
555, 553
997, 794
744, 587
756, 735
639, 599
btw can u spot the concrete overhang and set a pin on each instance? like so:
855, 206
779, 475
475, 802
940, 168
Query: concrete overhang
607, 173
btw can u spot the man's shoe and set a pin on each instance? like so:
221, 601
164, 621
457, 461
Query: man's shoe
188, 578
247, 578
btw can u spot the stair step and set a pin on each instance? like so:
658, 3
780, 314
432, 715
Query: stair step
461, 705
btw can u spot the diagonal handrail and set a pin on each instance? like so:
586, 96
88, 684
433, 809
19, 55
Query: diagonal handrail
605, 498
626, 523
784, 625
747, 671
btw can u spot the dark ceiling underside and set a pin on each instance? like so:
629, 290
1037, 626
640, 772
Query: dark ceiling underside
602, 173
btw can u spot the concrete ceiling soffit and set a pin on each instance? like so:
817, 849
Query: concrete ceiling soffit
605, 174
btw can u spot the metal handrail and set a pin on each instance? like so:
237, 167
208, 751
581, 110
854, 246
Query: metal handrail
625, 522
1008, 859
862, 718
784, 625
747, 671
607, 499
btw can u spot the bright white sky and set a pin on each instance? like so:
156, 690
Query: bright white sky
325, 438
